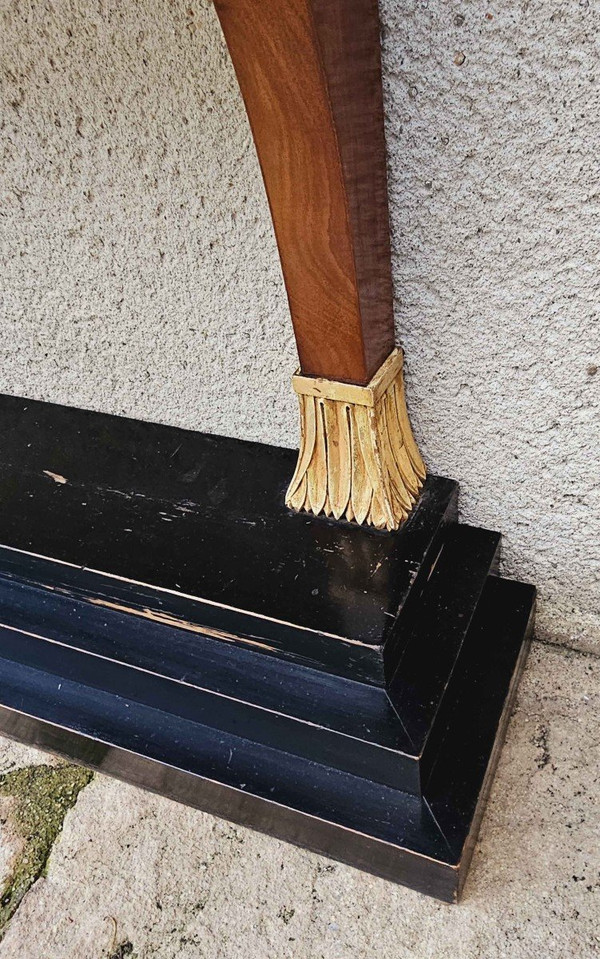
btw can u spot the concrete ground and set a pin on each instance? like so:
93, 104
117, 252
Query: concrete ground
134, 875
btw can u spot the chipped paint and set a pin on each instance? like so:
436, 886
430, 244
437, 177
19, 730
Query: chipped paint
124, 581
167, 620
56, 477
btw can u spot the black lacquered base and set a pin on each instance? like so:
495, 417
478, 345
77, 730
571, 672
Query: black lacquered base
165, 619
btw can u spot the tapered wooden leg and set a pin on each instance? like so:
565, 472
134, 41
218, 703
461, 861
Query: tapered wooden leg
310, 75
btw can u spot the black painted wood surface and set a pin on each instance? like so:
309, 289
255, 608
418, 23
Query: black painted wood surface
200, 517
372, 740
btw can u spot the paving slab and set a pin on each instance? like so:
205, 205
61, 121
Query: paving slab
136, 875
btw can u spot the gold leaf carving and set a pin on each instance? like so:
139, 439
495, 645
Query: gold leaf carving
358, 459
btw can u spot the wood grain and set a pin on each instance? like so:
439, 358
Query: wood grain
310, 75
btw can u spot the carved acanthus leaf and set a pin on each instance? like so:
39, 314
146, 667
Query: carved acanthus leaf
358, 459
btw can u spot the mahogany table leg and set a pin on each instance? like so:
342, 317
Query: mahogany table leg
310, 75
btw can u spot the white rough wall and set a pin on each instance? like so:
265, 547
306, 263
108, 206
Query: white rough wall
139, 270
139, 273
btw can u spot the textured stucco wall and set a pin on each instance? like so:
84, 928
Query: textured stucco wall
139, 272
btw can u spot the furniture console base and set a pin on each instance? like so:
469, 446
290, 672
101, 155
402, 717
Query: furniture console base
165, 619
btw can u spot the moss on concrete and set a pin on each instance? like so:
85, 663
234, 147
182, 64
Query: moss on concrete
42, 796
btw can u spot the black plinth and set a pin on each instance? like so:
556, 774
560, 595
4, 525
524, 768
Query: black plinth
164, 618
